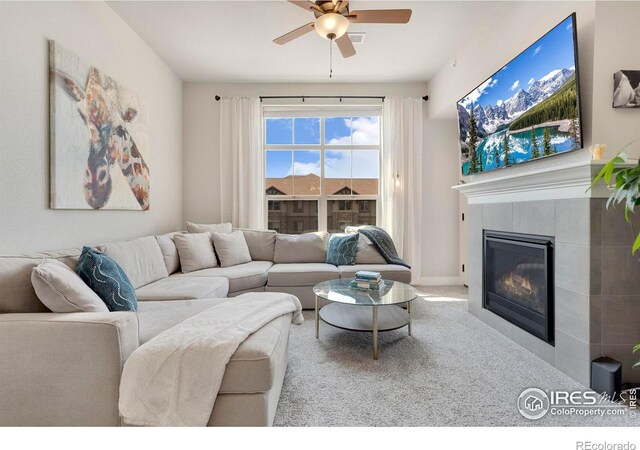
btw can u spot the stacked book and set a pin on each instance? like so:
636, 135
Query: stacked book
367, 281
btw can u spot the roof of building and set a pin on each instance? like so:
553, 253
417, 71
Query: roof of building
310, 185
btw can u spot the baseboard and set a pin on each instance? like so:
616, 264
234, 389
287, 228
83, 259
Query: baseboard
437, 281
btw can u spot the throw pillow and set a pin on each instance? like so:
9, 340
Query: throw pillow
367, 252
195, 251
107, 279
61, 290
231, 248
301, 248
341, 250
209, 228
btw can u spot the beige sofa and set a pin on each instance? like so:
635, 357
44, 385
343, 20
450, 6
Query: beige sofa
64, 369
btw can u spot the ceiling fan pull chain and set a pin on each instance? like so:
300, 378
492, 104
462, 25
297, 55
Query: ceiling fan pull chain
330, 58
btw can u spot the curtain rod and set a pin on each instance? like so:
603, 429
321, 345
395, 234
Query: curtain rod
303, 97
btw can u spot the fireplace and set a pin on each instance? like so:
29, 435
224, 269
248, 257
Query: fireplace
518, 280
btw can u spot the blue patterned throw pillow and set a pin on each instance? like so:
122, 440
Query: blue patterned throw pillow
341, 250
107, 279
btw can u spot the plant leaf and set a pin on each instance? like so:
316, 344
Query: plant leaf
636, 244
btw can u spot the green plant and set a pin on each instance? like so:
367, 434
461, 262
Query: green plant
625, 184
636, 349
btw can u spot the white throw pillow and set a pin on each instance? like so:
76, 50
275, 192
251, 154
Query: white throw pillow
195, 251
209, 227
231, 248
61, 290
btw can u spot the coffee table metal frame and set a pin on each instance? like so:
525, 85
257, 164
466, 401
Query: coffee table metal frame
349, 313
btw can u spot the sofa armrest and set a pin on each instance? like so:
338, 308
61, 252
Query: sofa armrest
63, 369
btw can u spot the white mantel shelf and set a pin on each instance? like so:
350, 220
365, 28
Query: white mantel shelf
549, 183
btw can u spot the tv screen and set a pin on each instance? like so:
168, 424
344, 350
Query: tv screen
527, 110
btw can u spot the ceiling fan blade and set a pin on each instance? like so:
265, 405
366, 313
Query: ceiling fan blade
346, 46
305, 4
291, 35
341, 6
380, 16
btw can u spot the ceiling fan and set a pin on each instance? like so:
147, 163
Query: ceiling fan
333, 18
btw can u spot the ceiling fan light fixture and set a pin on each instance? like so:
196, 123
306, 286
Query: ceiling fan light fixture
331, 25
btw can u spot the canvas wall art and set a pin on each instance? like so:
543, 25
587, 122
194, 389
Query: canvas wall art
626, 89
99, 140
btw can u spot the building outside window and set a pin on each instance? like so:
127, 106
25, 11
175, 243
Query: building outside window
322, 168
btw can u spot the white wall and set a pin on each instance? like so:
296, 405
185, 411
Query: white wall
203, 175
96, 33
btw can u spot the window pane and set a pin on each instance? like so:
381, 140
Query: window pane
366, 130
365, 172
306, 171
337, 172
337, 130
343, 213
293, 216
307, 130
279, 131
279, 167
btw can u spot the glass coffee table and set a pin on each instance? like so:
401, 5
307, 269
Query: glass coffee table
363, 310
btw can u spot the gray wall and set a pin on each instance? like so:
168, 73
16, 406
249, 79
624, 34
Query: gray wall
96, 33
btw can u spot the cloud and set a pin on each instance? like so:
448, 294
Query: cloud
364, 131
569, 25
515, 85
537, 50
499, 103
300, 168
479, 91
531, 81
337, 164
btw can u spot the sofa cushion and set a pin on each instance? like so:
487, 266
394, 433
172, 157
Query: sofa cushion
388, 271
341, 249
195, 251
261, 243
169, 251
141, 259
16, 292
241, 277
107, 279
61, 290
301, 248
252, 367
209, 227
367, 253
302, 274
231, 248
173, 288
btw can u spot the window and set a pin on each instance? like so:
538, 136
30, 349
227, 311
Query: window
322, 168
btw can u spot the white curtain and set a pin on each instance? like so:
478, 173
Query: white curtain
241, 162
401, 181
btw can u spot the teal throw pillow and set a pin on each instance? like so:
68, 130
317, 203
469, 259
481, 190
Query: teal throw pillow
341, 250
107, 279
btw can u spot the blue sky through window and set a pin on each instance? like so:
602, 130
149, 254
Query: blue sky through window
279, 131
307, 130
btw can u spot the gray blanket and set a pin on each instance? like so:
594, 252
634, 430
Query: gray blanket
383, 243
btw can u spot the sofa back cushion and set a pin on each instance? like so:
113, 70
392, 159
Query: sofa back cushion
301, 248
169, 251
231, 248
141, 259
16, 291
196, 251
209, 227
261, 243
62, 290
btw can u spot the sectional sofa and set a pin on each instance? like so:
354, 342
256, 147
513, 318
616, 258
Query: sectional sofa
65, 368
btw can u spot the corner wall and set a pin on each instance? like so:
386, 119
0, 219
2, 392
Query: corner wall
96, 33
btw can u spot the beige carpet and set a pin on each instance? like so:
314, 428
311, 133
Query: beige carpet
454, 371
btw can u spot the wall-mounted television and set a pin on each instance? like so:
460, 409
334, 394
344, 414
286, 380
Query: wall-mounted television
527, 110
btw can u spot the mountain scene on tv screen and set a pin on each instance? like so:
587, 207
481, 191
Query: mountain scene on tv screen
525, 111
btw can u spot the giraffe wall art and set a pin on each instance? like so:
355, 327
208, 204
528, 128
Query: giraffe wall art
99, 140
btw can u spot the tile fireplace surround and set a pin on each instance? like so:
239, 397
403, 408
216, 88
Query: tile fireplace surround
597, 280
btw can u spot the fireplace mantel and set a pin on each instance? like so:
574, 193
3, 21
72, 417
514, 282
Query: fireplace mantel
549, 183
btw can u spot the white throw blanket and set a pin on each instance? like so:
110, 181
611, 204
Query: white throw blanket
173, 379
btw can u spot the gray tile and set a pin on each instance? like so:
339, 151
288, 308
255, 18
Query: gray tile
572, 268
597, 207
572, 219
536, 346
595, 272
474, 255
573, 357
620, 316
620, 271
534, 217
623, 354
616, 230
497, 216
474, 219
496, 322
595, 319
572, 313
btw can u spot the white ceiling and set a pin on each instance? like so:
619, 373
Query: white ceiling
231, 41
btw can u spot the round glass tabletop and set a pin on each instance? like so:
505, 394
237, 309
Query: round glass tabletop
340, 291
